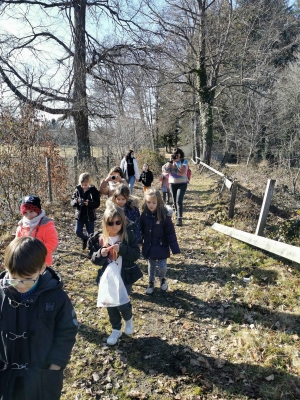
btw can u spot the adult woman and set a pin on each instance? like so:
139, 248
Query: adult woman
109, 184
130, 169
177, 168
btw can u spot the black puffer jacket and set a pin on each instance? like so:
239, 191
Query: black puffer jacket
130, 252
35, 331
146, 178
86, 212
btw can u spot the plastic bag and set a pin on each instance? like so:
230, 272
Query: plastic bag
112, 291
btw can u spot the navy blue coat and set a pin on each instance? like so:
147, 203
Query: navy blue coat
159, 237
35, 331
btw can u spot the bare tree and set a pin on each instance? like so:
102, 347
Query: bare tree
54, 46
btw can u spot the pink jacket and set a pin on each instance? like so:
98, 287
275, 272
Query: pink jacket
46, 233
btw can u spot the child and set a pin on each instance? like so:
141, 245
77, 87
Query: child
165, 188
158, 237
128, 203
118, 243
146, 177
34, 223
113, 179
38, 324
86, 198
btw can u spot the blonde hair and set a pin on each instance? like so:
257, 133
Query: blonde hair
84, 177
112, 211
123, 190
161, 211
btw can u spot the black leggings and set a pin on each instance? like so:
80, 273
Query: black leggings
178, 191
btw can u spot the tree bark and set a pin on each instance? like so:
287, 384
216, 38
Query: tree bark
80, 109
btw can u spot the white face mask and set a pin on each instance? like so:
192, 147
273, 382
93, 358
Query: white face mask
132, 156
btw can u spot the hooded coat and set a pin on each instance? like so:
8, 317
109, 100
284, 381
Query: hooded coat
35, 331
46, 232
159, 236
86, 212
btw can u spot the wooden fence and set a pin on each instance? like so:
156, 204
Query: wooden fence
281, 249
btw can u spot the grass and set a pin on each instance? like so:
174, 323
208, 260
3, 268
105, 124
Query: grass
211, 336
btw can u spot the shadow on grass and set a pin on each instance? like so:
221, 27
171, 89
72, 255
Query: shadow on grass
157, 357
227, 312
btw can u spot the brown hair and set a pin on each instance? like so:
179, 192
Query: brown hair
25, 256
117, 169
123, 190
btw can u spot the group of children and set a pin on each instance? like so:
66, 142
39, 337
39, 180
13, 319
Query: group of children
37, 318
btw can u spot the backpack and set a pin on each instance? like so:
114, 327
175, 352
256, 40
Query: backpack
189, 174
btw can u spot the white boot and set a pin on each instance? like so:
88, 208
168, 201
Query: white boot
163, 284
129, 327
113, 338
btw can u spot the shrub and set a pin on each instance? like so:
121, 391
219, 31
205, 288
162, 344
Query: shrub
153, 158
23, 153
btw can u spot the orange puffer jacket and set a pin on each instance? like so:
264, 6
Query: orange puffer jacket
46, 233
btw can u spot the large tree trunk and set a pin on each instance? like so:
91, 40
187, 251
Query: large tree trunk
206, 125
80, 110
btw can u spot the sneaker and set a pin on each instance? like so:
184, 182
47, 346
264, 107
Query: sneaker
150, 288
163, 284
129, 327
113, 338
84, 243
179, 222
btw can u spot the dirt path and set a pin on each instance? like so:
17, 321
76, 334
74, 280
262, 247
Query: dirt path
208, 337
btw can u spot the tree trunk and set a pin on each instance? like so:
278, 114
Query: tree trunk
80, 110
206, 125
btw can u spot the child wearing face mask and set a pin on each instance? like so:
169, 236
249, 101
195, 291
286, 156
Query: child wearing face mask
35, 223
159, 236
130, 169
118, 243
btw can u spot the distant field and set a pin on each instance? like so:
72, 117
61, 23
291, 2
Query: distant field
69, 151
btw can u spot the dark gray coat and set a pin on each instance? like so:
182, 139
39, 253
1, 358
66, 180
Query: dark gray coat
86, 212
35, 331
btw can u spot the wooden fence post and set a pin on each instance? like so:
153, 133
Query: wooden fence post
265, 207
48, 168
234, 187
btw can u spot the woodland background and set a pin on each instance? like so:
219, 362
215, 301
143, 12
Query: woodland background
220, 75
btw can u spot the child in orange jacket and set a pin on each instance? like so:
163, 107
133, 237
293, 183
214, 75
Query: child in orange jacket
34, 223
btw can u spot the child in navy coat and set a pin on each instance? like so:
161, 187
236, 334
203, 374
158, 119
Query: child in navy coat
38, 324
159, 236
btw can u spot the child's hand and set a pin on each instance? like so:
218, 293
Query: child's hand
105, 251
116, 247
86, 202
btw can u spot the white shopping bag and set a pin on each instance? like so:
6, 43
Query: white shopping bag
112, 291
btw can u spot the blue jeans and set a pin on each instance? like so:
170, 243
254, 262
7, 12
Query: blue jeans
178, 191
116, 313
89, 225
130, 181
162, 269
